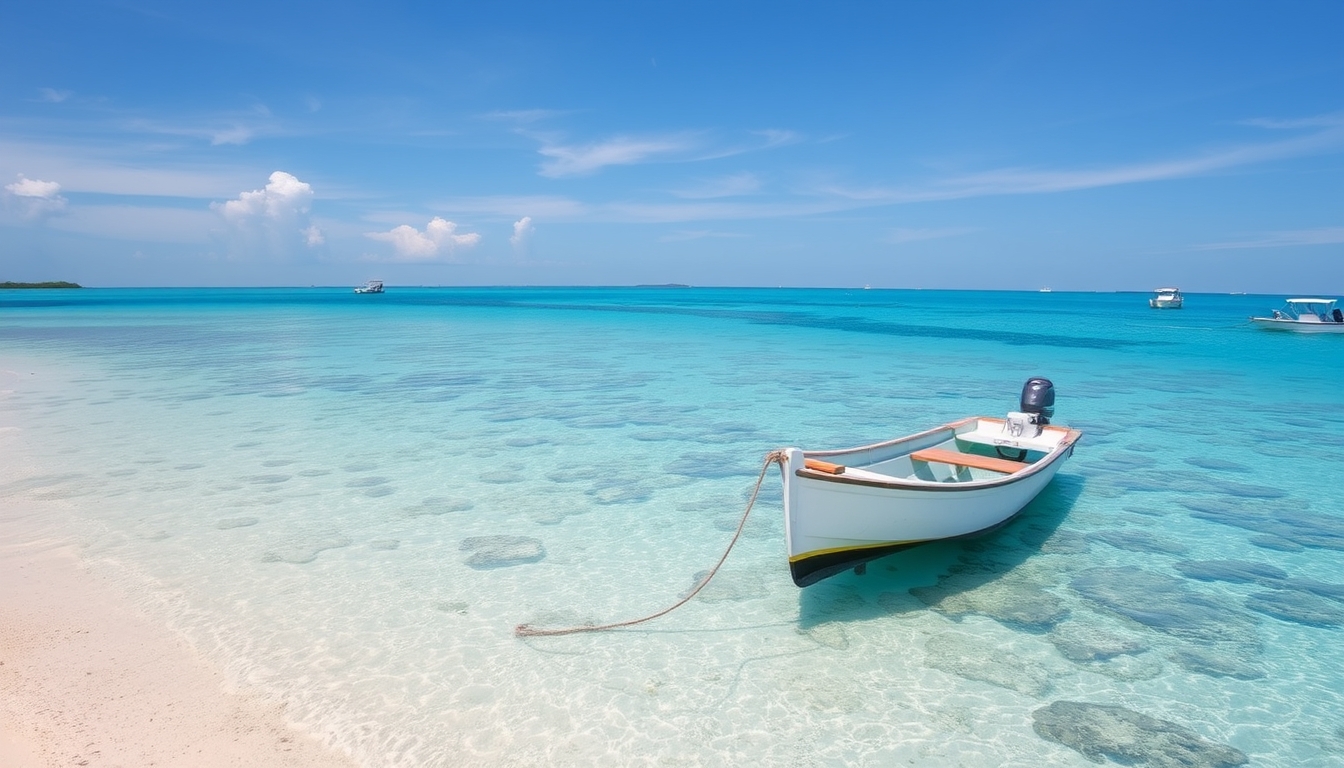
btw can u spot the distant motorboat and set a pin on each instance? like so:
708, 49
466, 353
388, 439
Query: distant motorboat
1167, 298
1305, 316
372, 286
1045, 290
843, 508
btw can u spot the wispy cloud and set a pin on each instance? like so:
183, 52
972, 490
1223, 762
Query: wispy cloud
439, 241
697, 234
1025, 181
523, 115
586, 159
1287, 239
52, 95
724, 186
1319, 121
906, 235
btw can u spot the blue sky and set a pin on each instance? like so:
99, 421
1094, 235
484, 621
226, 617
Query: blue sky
1078, 145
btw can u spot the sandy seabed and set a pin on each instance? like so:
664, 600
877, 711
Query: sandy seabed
86, 679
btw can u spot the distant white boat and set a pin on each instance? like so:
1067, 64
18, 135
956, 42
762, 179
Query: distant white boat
843, 508
372, 286
1045, 290
1167, 298
1305, 316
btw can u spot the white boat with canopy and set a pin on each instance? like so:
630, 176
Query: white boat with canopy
372, 286
1305, 316
843, 508
1167, 298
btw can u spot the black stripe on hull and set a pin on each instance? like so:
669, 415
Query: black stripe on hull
813, 569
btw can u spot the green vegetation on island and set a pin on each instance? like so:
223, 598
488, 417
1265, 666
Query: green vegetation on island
48, 284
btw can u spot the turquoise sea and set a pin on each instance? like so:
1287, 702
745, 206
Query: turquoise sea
348, 502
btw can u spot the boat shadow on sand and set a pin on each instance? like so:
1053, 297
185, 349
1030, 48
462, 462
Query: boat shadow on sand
923, 576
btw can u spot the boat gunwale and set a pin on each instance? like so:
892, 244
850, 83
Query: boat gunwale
1060, 451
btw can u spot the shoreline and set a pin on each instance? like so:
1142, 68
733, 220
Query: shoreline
87, 679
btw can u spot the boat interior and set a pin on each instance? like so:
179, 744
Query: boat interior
974, 450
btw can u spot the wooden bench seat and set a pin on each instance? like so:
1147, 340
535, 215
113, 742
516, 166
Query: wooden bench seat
955, 458
816, 465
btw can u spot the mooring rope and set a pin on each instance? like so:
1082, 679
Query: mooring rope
527, 630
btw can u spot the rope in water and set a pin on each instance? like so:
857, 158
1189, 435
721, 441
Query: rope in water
527, 630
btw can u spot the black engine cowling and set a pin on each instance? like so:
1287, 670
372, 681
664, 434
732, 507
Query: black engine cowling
1038, 398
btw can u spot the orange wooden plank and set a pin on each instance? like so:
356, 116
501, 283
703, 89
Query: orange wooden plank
956, 458
823, 466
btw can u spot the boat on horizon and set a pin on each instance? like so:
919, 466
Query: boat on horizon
844, 508
1305, 316
372, 286
1167, 298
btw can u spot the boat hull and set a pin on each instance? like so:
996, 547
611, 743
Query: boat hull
1165, 304
837, 522
1297, 326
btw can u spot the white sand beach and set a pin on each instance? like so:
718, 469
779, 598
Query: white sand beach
86, 679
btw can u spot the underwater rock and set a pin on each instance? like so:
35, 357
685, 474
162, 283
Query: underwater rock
1099, 731
1012, 601
502, 476
1235, 571
1322, 588
266, 479
620, 494
1058, 543
1078, 641
502, 551
1165, 604
976, 659
1217, 465
1307, 529
1126, 668
1208, 661
1276, 543
1137, 540
236, 522
1299, 607
302, 551
451, 606
440, 505
712, 466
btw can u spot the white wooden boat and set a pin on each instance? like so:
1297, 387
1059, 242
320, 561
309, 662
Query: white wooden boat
372, 286
1305, 316
844, 508
1167, 298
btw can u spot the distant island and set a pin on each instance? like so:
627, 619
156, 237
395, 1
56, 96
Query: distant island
49, 284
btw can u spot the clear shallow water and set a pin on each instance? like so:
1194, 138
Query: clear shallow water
308, 484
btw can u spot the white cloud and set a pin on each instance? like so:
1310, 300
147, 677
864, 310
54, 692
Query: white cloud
522, 234
583, 160
279, 210
1321, 236
53, 96
283, 197
440, 239
34, 198
726, 186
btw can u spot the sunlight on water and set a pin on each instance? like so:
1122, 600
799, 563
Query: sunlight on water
350, 501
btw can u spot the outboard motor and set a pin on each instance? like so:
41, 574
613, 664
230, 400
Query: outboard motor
1038, 405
